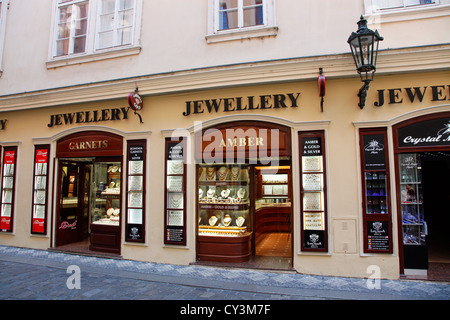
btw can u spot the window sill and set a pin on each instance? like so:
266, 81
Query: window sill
99, 55
232, 35
405, 14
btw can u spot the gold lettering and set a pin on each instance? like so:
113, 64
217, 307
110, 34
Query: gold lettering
242, 142
260, 141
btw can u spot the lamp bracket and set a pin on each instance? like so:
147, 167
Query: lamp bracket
363, 94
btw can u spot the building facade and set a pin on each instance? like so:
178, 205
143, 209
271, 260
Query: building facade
136, 129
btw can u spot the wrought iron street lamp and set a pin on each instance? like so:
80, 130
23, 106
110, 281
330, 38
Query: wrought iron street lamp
364, 44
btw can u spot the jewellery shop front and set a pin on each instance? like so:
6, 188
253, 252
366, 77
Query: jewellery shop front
250, 176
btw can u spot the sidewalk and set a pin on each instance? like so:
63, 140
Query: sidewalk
41, 275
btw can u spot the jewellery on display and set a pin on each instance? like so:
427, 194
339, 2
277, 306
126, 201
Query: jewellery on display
175, 166
312, 201
39, 212
235, 173
213, 221
175, 184
175, 218
210, 194
312, 182
202, 176
225, 193
222, 173
241, 193
176, 201
136, 199
136, 167
227, 220
240, 221
312, 163
110, 212
211, 174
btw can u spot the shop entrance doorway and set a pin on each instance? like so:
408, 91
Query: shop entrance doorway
425, 214
89, 202
244, 215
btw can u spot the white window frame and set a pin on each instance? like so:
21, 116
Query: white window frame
91, 53
3, 15
267, 29
377, 15
116, 26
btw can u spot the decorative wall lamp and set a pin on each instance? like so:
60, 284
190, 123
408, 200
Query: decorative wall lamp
364, 44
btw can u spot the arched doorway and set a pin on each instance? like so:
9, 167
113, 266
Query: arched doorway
244, 202
88, 192
422, 155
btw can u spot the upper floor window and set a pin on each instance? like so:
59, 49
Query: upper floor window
3, 11
115, 23
84, 27
395, 4
238, 19
240, 13
72, 27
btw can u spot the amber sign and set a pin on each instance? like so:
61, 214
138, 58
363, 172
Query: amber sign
242, 142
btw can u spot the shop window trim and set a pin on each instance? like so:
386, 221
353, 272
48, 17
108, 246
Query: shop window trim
39, 173
8, 172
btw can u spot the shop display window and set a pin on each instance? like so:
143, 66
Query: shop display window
313, 192
106, 193
377, 225
8, 189
40, 187
223, 200
413, 223
175, 193
136, 191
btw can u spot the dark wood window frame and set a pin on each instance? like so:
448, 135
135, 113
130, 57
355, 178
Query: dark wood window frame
377, 225
10, 173
175, 234
136, 151
314, 240
40, 188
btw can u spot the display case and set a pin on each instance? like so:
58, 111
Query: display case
106, 195
224, 212
413, 223
223, 198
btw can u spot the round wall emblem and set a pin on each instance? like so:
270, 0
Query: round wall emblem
135, 101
